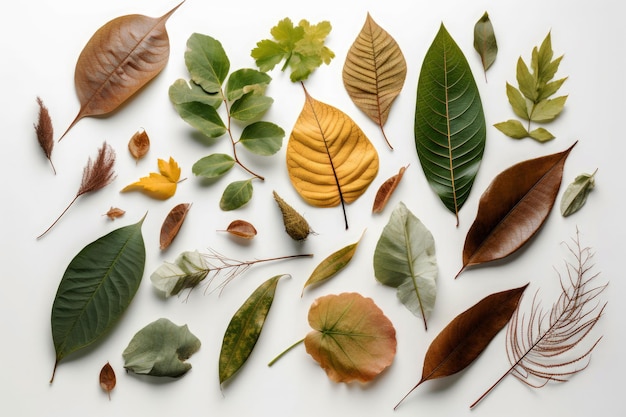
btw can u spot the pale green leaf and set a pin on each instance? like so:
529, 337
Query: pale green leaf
213, 166
250, 106
550, 88
244, 81
405, 259
161, 349
540, 134
526, 81
548, 109
187, 92
203, 117
512, 128
206, 62
485, 41
517, 101
236, 195
262, 138
575, 195
187, 271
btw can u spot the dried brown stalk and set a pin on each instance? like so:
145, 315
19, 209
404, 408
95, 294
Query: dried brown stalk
45, 132
548, 346
96, 175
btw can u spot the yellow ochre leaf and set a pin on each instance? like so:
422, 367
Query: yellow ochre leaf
161, 186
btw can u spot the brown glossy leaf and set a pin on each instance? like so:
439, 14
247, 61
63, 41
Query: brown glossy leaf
468, 334
351, 339
374, 72
513, 208
385, 191
241, 228
114, 213
119, 59
172, 223
107, 378
139, 144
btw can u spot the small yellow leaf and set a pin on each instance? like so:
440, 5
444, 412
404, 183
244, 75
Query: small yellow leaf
161, 186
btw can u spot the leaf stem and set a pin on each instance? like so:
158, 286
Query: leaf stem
59, 218
280, 355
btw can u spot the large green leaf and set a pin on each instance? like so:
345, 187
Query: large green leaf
97, 287
405, 259
450, 127
207, 62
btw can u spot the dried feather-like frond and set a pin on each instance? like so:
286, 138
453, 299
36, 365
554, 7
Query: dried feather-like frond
45, 132
99, 173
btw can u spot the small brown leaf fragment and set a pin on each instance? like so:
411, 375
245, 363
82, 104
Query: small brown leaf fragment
172, 223
139, 144
385, 191
241, 228
45, 132
296, 226
107, 379
114, 213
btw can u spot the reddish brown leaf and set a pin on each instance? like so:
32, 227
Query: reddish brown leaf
114, 213
139, 144
513, 208
386, 189
172, 223
468, 334
107, 378
241, 228
45, 132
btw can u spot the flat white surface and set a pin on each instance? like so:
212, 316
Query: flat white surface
40, 42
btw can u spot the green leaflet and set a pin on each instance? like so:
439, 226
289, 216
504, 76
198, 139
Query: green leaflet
485, 42
262, 138
213, 166
206, 62
187, 271
96, 288
450, 129
160, 349
244, 329
575, 195
404, 258
236, 194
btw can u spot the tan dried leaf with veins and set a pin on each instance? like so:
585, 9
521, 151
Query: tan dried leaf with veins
386, 190
114, 213
139, 144
107, 378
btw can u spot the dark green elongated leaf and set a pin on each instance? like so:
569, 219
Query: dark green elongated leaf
485, 42
161, 349
450, 129
207, 62
203, 117
213, 166
332, 264
244, 81
236, 194
250, 106
575, 195
244, 329
187, 92
262, 138
96, 288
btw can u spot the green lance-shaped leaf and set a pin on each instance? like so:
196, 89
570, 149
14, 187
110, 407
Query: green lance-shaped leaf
96, 288
333, 263
450, 129
405, 259
485, 42
244, 329
206, 62
161, 349
262, 138
236, 194
575, 195
213, 166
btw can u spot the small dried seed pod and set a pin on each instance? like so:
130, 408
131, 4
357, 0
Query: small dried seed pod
295, 225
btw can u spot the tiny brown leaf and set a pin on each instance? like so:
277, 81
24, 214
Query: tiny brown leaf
172, 223
107, 379
114, 213
242, 229
385, 191
139, 144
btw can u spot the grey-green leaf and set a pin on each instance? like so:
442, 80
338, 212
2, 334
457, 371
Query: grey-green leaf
206, 62
450, 130
250, 106
405, 259
213, 166
262, 138
485, 41
244, 329
236, 194
161, 349
187, 92
203, 117
187, 271
575, 195
96, 288
244, 81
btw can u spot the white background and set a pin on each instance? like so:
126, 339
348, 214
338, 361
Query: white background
40, 42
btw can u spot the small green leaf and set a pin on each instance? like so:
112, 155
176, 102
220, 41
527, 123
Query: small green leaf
213, 166
540, 134
526, 81
405, 259
187, 271
161, 349
334, 263
575, 195
548, 109
250, 106
485, 41
236, 195
517, 101
512, 128
244, 81
97, 287
244, 329
262, 138
550, 88
203, 117
187, 92
207, 62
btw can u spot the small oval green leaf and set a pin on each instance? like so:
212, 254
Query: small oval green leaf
244, 329
262, 138
213, 166
485, 42
250, 106
207, 62
97, 287
246, 80
236, 194
203, 117
575, 195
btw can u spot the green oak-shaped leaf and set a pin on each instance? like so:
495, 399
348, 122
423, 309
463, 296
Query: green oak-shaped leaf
262, 138
213, 166
207, 62
236, 194
405, 259
161, 349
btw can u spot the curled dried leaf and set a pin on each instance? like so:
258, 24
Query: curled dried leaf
114, 213
107, 378
45, 132
242, 229
139, 144
385, 191
172, 223
296, 226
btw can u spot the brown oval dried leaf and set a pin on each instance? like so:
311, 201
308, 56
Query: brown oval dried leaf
172, 223
139, 145
468, 334
120, 58
241, 228
513, 208
114, 213
386, 189
107, 379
